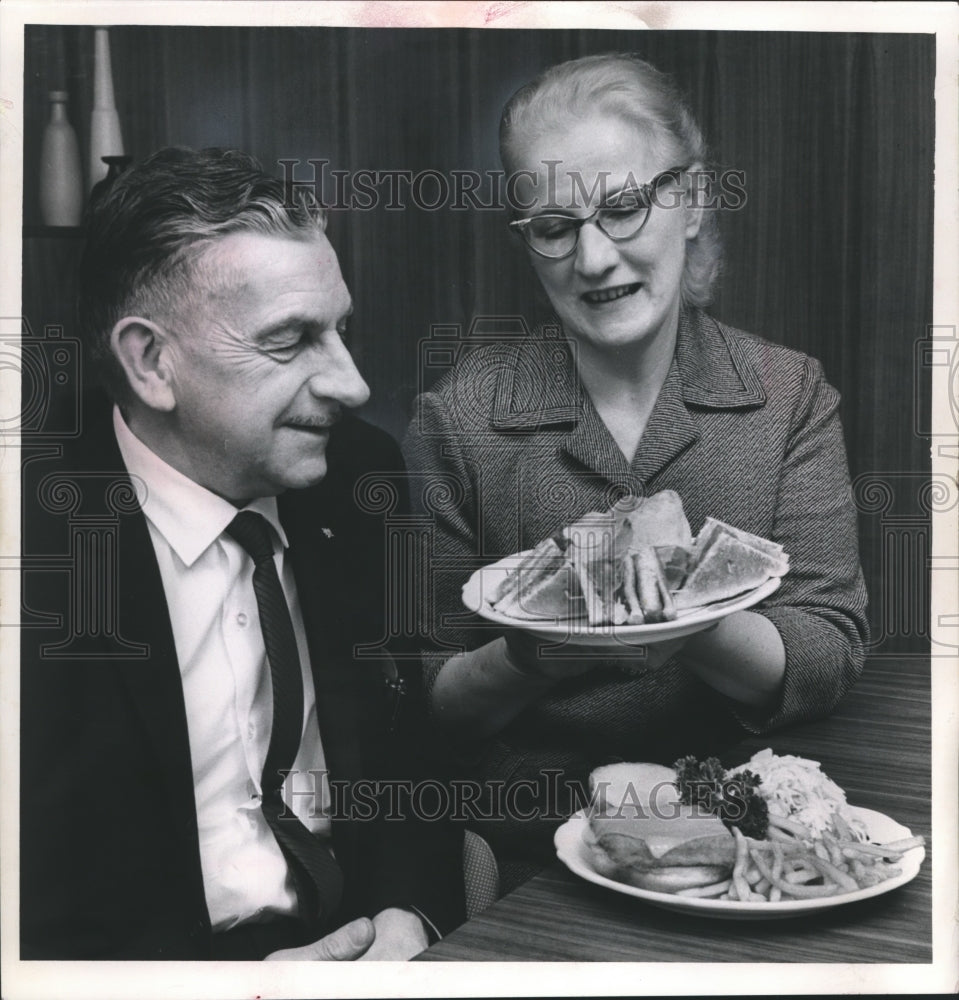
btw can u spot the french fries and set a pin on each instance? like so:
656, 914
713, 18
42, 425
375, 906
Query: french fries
788, 867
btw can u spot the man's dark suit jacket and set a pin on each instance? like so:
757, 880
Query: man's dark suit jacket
110, 864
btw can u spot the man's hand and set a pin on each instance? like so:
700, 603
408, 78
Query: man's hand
400, 935
346, 944
393, 935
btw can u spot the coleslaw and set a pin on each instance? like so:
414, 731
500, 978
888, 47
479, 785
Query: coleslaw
796, 788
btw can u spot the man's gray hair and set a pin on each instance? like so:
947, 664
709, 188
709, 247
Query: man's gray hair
145, 235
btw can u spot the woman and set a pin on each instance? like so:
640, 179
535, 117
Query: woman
641, 392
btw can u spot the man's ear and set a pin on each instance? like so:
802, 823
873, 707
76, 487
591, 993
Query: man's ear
696, 194
143, 349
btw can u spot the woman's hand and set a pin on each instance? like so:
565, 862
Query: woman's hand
546, 659
543, 658
651, 656
743, 657
477, 694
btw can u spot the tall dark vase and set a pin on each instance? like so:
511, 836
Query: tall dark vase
105, 137
115, 166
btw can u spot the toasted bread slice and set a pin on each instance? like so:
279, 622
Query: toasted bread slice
655, 520
599, 571
727, 567
675, 561
713, 529
540, 563
554, 596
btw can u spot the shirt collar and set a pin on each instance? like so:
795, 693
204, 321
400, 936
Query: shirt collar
188, 516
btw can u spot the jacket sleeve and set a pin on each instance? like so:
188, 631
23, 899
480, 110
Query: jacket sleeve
820, 608
443, 492
412, 853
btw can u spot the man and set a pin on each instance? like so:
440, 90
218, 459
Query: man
205, 757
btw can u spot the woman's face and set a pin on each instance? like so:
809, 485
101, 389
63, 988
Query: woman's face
612, 294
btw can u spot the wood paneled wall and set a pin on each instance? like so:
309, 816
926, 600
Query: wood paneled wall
831, 254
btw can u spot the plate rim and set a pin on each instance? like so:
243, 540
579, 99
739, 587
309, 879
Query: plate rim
577, 823
567, 627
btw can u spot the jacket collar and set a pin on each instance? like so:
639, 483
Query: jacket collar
542, 389
709, 371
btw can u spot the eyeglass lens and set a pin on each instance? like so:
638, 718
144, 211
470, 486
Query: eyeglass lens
557, 235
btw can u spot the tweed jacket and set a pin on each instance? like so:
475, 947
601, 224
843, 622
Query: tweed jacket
744, 430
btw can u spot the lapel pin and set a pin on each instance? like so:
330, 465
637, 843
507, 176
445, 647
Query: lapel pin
327, 532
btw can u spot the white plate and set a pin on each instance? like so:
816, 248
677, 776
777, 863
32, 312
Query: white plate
573, 851
481, 586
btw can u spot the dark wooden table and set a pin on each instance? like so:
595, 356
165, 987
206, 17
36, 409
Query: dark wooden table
877, 746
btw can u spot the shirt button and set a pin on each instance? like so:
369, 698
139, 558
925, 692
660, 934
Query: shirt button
250, 731
241, 620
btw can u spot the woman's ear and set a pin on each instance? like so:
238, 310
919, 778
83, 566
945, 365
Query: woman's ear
697, 193
142, 348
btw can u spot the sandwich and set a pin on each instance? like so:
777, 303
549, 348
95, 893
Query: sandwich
641, 834
636, 564
542, 586
727, 561
657, 520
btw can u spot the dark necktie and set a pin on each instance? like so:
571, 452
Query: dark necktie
318, 879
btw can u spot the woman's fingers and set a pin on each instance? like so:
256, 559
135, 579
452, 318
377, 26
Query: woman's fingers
548, 658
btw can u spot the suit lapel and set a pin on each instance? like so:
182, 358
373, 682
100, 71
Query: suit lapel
153, 683
147, 673
316, 553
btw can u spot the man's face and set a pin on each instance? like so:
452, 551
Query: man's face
260, 372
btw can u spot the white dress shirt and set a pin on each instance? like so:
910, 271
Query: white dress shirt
208, 582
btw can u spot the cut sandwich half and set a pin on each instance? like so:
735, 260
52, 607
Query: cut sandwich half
712, 527
544, 585
675, 561
651, 587
728, 562
599, 572
655, 520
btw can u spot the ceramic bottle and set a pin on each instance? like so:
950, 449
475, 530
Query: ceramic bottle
105, 136
61, 184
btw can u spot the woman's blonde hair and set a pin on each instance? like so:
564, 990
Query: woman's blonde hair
623, 85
